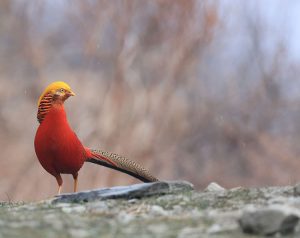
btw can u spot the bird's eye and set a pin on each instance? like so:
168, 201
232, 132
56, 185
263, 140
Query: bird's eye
61, 90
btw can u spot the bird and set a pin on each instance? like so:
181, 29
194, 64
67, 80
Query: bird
60, 151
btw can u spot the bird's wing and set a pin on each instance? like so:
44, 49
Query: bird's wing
120, 163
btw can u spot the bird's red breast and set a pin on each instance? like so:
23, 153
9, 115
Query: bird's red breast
57, 146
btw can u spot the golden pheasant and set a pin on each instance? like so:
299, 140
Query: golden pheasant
60, 151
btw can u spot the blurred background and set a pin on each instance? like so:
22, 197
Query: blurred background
194, 90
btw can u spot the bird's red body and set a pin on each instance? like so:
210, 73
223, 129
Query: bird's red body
57, 146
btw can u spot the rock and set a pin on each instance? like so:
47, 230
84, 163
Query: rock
297, 190
270, 220
191, 232
164, 209
77, 209
214, 229
214, 187
126, 192
125, 217
157, 211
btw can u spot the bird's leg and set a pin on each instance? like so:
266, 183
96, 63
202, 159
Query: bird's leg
60, 182
59, 190
75, 176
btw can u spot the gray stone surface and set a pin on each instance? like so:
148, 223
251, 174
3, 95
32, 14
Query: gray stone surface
127, 192
269, 220
214, 187
297, 189
167, 209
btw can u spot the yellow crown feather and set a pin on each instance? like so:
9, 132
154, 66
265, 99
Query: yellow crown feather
53, 87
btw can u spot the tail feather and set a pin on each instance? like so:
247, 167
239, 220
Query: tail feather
120, 163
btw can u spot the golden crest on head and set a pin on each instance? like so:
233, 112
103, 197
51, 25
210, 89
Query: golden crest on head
53, 87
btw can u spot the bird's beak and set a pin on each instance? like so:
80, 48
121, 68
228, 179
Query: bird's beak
71, 93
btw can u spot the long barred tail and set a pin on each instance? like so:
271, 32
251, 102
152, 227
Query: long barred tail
120, 163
